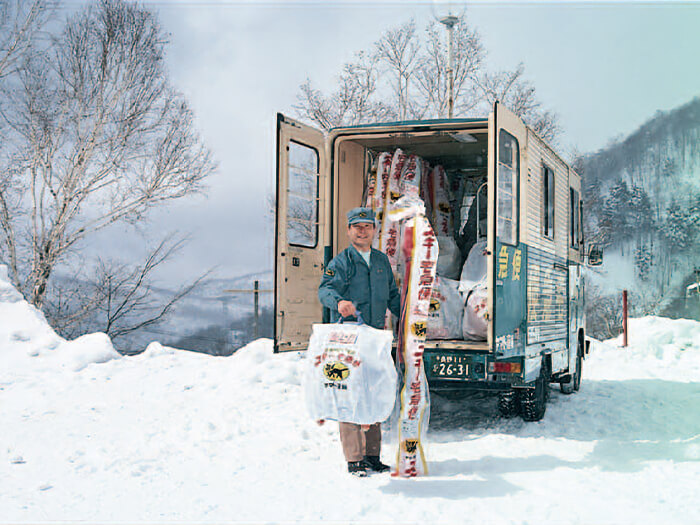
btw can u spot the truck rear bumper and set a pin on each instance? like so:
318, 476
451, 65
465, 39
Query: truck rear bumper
457, 369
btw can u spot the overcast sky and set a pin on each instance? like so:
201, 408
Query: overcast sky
604, 68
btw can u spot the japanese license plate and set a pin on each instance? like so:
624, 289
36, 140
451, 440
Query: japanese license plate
449, 367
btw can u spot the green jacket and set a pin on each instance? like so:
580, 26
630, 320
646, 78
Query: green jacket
372, 289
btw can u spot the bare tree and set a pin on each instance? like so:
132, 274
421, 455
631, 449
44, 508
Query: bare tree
118, 299
405, 76
352, 103
20, 22
432, 78
516, 93
98, 136
398, 49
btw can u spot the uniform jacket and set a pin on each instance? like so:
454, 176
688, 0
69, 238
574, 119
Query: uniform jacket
372, 289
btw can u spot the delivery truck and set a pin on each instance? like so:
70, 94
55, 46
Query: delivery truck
515, 243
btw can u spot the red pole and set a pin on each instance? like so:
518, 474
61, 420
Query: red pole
624, 318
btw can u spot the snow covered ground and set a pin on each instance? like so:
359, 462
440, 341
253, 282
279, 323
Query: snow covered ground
174, 436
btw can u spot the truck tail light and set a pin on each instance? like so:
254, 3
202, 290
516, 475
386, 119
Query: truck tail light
505, 368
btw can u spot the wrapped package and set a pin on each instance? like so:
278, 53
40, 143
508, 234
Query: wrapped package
349, 374
446, 310
474, 269
472, 285
411, 176
388, 238
450, 257
440, 193
475, 321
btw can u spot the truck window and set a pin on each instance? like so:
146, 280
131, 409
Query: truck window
302, 196
575, 218
548, 202
507, 205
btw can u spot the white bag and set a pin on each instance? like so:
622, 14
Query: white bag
349, 374
474, 269
446, 310
449, 258
475, 323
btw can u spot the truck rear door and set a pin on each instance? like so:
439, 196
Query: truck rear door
300, 232
507, 138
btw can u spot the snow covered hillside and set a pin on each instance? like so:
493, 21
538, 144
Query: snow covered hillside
642, 202
169, 435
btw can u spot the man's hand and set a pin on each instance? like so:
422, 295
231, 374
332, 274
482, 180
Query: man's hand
346, 308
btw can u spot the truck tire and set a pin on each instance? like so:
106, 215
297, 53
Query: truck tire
507, 404
533, 401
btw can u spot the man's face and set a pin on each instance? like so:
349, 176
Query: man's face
361, 235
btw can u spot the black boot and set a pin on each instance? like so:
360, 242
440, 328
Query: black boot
373, 463
357, 468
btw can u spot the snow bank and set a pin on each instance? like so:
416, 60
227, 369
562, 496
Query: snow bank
27, 341
187, 437
658, 348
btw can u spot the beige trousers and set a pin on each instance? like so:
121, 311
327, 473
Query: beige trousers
358, 444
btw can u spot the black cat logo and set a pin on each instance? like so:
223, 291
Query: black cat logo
336, 371
410, 446
434, 305
419, 329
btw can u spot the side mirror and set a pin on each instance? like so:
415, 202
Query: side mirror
595, 256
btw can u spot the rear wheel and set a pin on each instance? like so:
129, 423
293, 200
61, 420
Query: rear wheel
507, 403
533, 400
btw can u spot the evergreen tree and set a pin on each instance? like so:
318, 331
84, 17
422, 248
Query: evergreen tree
681, 226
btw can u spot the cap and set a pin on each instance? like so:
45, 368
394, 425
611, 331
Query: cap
357, 215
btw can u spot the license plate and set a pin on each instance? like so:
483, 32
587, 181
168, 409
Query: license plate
449, 367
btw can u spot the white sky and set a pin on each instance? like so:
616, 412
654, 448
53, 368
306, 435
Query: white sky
604, 68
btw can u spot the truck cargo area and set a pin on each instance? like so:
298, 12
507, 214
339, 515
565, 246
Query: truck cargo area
463, 155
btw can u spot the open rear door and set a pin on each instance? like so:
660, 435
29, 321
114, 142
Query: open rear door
507, 271
300, 235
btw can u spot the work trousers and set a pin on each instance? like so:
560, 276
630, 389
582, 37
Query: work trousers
358, 444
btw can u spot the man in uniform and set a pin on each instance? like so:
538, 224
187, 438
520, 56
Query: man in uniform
360, 280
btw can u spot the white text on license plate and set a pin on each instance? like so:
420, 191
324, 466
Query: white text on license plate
446, 369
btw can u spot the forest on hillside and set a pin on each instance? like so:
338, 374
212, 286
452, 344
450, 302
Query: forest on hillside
643, 207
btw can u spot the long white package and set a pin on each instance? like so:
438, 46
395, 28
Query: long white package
349, 374
446, 310
420, 253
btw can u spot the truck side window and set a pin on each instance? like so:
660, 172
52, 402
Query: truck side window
507, 189
302, 196
548, 201
575, 220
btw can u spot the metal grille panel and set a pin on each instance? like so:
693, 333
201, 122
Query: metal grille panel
546, 297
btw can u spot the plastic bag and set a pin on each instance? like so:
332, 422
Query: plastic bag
475, 322
446, 310
448, 264
349, 374
474, 269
